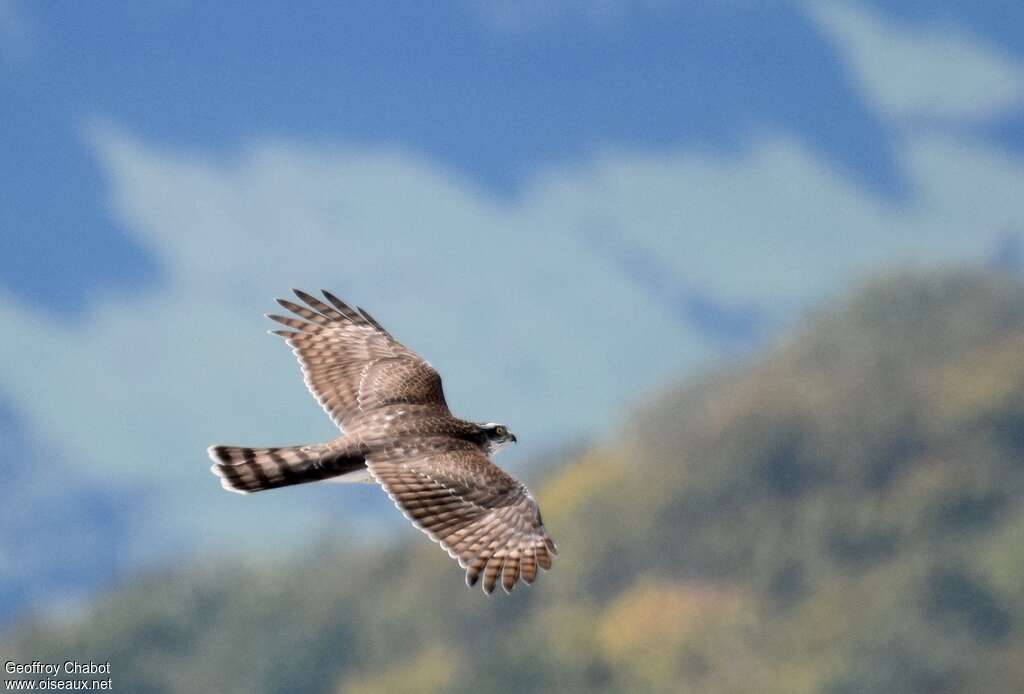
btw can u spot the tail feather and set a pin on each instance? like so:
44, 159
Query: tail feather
247, 470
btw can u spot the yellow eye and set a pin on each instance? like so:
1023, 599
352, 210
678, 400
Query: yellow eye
501, 431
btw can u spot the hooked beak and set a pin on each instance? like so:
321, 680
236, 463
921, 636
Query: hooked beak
513, 437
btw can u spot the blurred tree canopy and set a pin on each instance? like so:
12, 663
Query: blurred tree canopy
843, 514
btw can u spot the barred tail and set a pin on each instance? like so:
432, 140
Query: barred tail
247, 470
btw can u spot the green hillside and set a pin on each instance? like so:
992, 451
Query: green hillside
842, 514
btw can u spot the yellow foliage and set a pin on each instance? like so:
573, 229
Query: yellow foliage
432, 670
569, 632
985, 379
1002, 556
578, 483
657, 631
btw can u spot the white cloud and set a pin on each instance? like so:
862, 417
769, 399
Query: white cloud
527, 325
523, 323
935, 72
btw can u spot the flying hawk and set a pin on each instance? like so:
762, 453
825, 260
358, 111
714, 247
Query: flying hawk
399, 432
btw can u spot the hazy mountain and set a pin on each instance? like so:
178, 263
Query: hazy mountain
841, 514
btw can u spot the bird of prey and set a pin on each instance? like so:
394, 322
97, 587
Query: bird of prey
399, 432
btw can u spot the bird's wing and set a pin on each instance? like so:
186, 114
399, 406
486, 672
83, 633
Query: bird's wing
485, 519
351, 364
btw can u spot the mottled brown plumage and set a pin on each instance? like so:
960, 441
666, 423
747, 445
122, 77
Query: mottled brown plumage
399, 432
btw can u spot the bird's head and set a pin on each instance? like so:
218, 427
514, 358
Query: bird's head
496, 436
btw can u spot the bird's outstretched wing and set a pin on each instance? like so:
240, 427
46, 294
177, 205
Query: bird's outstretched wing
351, 364
485, 519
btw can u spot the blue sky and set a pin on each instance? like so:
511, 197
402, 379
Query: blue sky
563, 205
492, 98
